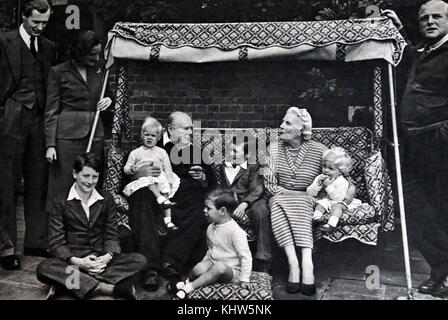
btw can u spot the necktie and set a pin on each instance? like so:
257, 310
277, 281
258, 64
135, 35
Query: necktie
33, 46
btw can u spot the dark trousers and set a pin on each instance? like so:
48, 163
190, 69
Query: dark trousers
181, 248
6, 246
425, 184
56, 271
260, 219
188, 245
143, 213
23, 155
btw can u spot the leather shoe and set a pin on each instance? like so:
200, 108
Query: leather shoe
308, 289
171, 274
428, 286
326, 228
125, 289
151, 282
292, 287
318, 222
441, 290
37, 252
11, 262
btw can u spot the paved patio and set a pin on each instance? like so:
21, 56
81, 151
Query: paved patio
340, 273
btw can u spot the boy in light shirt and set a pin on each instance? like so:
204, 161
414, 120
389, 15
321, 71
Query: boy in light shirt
228, 258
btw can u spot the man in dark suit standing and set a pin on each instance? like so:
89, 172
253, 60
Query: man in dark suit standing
424, 122
245, 180
25, 59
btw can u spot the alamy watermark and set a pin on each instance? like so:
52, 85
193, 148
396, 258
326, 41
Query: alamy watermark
373, 279
73, 277
73, 21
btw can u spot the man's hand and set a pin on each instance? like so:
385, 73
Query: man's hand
240, 211
246, 285
153, 171
103, 104
102, 261
85, 263
197, 173
394, 17
51, 154
91, 264
105, 258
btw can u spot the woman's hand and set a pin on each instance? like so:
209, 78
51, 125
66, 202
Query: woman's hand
51, 154
103, 104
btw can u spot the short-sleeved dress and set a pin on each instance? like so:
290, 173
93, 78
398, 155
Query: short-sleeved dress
291, 216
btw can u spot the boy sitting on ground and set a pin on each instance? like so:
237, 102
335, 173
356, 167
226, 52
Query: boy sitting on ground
228, 258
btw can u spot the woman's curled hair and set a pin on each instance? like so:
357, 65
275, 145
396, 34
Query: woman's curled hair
83, 43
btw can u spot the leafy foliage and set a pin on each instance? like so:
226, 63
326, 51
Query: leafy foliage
320, 87
350, 9
184, 11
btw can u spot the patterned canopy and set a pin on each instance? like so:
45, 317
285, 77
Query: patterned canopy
344, 40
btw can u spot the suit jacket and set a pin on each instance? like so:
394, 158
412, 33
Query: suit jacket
425, 100
71, 103
71, 234
11, 73
190, 192
248, 183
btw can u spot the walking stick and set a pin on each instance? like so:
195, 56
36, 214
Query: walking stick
400, 185
97, 113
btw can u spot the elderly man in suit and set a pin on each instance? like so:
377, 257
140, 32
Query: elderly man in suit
83, 234
424, 120
25, 60
245, 180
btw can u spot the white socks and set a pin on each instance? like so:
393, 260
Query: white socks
188, 287
317, 215
333, 221
183, 288
167, 220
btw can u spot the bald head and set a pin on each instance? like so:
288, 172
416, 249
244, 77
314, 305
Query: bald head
178, 116
180, 127
433, 19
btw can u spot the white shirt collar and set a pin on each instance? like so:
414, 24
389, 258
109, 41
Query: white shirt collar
435, 46
74, 195
27, 38
165, 138
242, 165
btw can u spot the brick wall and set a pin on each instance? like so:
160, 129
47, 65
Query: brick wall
7, 14
229, 95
